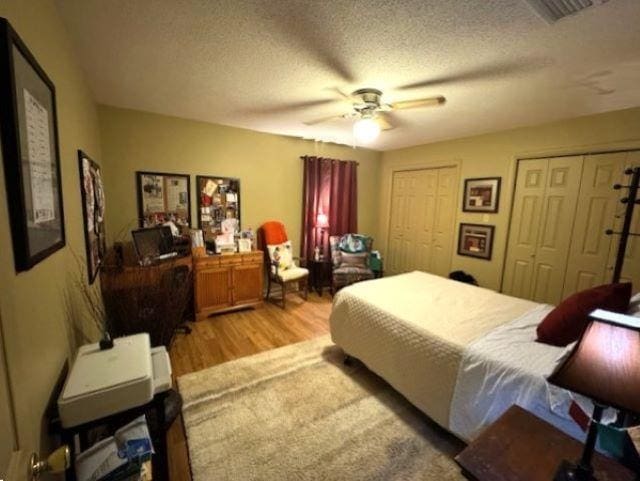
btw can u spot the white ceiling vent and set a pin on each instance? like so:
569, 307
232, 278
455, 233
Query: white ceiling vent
554, 10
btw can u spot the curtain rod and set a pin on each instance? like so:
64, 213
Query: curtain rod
302, 157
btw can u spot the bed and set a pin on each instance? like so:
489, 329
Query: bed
460, 353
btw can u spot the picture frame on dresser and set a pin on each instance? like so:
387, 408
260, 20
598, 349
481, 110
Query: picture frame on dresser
476, 240
31, 153
482, 195
163, 197
93, 209
218, 200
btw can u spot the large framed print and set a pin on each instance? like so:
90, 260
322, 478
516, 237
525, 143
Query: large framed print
218, 200
92, 190
31, 154
476, 240
481, 195
163, 197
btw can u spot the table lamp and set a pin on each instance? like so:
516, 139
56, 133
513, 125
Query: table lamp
604, 366
322, 223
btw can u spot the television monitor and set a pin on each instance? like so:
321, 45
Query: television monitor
153, 243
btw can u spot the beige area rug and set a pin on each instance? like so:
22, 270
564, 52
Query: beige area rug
297, 413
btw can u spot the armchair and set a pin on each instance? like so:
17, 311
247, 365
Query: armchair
350, 255
279, 261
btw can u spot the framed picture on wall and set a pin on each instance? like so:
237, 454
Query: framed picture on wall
31, 153
92, 191
218, 200
476, 240
481, 195
163, 197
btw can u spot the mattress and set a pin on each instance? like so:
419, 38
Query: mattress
412, 330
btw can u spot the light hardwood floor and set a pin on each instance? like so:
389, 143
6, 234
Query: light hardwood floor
225, 337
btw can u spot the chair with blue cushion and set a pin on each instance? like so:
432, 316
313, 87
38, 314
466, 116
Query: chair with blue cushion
350, 259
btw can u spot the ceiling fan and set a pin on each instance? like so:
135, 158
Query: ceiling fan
370, 113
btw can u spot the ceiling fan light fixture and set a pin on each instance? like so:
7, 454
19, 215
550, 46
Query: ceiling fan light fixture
366, 130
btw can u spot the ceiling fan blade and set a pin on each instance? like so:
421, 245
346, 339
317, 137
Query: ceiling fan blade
417, 103
384, 121
323, 119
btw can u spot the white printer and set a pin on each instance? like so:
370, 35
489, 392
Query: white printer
102, 383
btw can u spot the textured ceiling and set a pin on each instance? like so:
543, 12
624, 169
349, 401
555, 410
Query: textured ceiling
270, 65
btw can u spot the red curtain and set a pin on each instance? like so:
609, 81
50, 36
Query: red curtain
330, 188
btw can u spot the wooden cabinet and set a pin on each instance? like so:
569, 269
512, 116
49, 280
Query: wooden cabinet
227, 282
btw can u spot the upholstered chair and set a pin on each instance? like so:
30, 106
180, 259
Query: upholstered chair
350, 255
280, 262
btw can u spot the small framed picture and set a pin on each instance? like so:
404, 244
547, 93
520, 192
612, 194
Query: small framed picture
244, 245
481, 195
476, 240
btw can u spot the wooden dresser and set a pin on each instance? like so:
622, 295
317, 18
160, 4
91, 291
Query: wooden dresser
226, 282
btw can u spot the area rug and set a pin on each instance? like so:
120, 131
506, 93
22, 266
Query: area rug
297, 413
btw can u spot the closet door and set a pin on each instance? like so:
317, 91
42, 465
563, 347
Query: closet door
444, 221
424, 211
422, 220
590, 262
525, 225
554, 238
401, 224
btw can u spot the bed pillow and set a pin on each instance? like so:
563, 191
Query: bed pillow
354, 260
566, 323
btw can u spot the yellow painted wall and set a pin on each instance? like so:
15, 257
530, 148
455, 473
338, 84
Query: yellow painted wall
35, 319
495, 155
268, 166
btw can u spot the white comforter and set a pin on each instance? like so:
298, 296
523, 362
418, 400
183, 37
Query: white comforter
412, 330
505, 367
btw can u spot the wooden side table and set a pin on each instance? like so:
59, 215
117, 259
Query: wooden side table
319, 274
522, 447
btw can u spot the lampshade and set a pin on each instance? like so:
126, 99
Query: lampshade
605, 365
322, 221
366, 130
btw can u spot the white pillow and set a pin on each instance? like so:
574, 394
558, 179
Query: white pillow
634, 305
281, 253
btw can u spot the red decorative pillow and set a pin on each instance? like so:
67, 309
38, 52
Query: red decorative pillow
566, 323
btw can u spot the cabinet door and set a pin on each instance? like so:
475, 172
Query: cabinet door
247, 284
525, 225
556, 227
213, 288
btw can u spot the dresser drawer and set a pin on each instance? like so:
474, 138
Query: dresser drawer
230, 260
252, 258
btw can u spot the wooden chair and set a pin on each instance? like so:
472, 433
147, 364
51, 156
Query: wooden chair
273, 233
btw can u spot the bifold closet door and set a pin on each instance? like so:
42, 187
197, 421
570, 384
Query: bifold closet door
422, 220
592, 253
542, 222
444, 221
401, 222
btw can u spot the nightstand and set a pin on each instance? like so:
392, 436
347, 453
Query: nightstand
522, 447
319, 274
